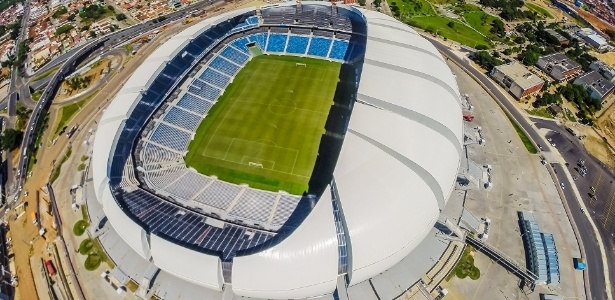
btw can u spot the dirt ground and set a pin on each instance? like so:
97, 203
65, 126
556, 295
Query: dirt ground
595, 21
608, 57
606, 126
96, 73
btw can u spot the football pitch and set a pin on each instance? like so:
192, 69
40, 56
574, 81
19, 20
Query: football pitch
265, 129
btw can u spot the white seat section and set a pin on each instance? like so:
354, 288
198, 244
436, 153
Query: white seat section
381, 233
254, 205
303, 265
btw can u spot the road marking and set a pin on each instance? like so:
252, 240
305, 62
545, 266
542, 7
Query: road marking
597, 182
607, 220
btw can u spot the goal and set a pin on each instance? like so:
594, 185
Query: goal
257, 165
300, 65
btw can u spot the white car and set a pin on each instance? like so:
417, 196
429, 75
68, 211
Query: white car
562, 185
553, 144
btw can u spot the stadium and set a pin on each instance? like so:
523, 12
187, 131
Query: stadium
297, 150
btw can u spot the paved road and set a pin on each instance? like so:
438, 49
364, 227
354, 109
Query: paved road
601, 210
107, 42
595, 276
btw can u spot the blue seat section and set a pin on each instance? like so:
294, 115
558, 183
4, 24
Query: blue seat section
170, 137
259, 38
338, 50
204, 90
297, 44
240, 44
182, 119
224, 66
215, 78
277, 42
195, 104
234, 55
252, 20
319, 46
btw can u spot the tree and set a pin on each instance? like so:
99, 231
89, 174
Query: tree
610, 33
120, 17
11, 139
485, 60
450, 24
64, 29
497, 27
519, 40
377, 3
529, 57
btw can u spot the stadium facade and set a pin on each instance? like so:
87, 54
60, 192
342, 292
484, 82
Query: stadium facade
391, 175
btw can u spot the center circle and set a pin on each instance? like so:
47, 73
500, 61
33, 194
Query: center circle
282, 107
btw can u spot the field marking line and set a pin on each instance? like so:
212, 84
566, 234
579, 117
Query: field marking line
276, 146
266, 140
292, 170
228, 148
226, 113
281, 172
259, 159
302, 109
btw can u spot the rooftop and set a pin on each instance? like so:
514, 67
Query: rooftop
556, 35
561, 61
594, 79
520, 75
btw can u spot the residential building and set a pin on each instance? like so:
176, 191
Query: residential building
559, 66
560, 38
605, 70
596, 85
517, 79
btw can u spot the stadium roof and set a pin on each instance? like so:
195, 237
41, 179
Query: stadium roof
395, 172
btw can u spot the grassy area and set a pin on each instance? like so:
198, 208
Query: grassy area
539, 10
93, 261
56, 171
524, 138
265, 129
413, 8
86, 246
46, 73
480, 21
540, 112
80, 227
459, 33
37, 95
460, 8
132, 286
443, 1
67, 112
465, 266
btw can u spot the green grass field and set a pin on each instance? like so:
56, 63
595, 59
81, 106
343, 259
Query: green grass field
266, 128
481, 21
460, 33
539, 10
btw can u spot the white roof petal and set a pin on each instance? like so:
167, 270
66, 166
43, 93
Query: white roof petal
303, 264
